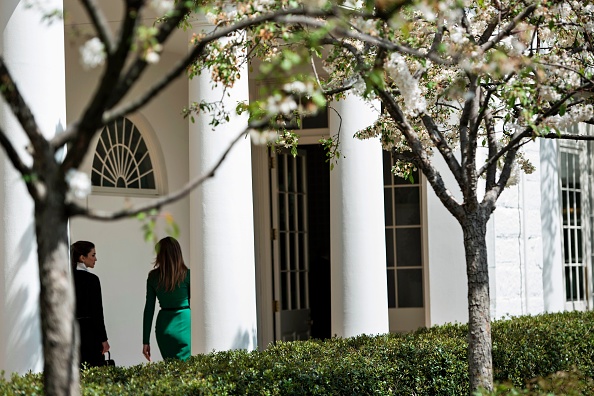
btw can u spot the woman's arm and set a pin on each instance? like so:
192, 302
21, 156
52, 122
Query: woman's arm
149, 312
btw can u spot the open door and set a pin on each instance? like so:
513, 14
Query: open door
290, 252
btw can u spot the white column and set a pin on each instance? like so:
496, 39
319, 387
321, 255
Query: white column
357, 228
34, 53
222, 227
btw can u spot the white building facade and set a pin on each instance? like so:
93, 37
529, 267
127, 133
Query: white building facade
280, 247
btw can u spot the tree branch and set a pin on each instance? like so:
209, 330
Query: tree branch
373, 40
443, 147
13, 156
433, 176
100, 23
492, 144
506, 31
91, 120
136, 70
517, 138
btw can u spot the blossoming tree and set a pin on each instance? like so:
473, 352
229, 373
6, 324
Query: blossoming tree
471, 82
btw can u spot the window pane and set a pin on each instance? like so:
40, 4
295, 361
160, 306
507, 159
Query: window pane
410, 288
292, 214
578, 243
284, 283
578, 208
294, 291
280, 173
302, 288
302, 251
301, 212
299, 173
566, 242
293, 251
407, 206
580, 283
389, 247
387, 161
564, 195
388, 206
391, 289
408, 247
318, 121
568, 284
399, 180
283, 250
282, 212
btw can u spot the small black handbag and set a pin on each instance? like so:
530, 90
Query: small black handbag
108, 361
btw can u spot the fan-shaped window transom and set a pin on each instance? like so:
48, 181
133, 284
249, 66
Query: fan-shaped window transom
122, 160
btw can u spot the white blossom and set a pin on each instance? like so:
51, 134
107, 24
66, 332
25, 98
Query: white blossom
152, 54
458, 35
162, 7
299, 87
573, 116
279, 104
549, 94
409, 87
79, 184
92, 53
260, 138
152, 57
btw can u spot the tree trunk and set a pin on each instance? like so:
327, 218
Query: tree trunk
59, 329
480, 364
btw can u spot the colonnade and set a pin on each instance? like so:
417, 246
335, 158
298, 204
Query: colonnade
224, 309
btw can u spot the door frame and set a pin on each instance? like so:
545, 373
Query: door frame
263, 234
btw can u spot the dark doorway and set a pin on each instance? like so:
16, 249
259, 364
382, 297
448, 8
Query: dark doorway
318, 176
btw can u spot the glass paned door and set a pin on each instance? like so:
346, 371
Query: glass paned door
289, 246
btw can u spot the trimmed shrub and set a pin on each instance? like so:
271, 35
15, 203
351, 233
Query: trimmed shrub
545, 353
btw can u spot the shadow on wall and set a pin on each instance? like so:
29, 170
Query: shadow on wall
23, 326
246, 339
551, 238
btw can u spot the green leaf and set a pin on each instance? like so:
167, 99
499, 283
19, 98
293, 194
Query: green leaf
563, 109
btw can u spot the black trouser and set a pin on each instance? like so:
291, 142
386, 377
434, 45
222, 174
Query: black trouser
90, 344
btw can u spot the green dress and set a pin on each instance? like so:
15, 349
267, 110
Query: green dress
174, 327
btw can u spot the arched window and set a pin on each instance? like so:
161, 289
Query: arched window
122, 161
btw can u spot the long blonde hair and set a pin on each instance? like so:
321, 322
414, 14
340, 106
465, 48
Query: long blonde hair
169, 264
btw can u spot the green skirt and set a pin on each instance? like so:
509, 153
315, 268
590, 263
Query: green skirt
174, 334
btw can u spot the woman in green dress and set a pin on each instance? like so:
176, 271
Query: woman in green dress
169, 282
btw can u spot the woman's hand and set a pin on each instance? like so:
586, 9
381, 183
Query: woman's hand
105, 345
146, 351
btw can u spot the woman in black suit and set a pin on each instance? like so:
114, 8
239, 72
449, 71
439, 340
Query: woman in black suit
89, 305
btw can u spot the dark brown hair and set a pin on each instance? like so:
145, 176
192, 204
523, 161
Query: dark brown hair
170, 268
79, 248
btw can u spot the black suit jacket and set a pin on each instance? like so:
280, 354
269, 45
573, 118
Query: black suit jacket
89, 312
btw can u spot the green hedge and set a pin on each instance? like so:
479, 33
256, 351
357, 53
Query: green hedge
426, 362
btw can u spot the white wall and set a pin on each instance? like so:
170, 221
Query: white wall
516, 246
124, 258
448, 288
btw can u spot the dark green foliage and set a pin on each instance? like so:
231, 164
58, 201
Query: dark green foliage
538, 355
